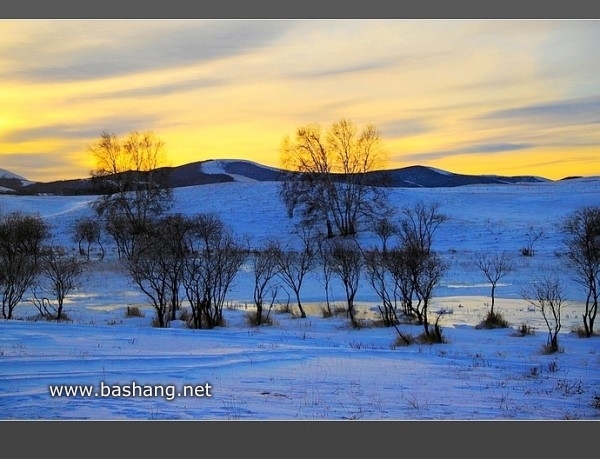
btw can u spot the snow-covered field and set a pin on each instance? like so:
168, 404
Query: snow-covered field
314, 368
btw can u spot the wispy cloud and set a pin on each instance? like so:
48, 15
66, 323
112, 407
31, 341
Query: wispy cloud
346, 69
584, 110
89, 129
158, 90
573, 159
32, 165
405, 127
110, 49
491, 148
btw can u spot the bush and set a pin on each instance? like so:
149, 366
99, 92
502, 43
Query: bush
493, 320
524, 330
404, 339
548, 349
185, 316
133, 311
326, 313
252, 318
526, 252
596, 401
579, 330
432, 338
156, 322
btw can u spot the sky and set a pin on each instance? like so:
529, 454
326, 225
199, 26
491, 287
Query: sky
507, 97
315, 368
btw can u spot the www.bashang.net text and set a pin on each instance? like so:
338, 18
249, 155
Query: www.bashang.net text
104, 390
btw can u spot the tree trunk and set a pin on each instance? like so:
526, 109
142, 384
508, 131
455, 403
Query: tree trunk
302, 313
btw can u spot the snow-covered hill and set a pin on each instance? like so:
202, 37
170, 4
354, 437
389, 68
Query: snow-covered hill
237, 170
10, 175
11, 182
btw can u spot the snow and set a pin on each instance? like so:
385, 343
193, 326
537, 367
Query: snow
218, 166
10, 175
315, 368
439, 171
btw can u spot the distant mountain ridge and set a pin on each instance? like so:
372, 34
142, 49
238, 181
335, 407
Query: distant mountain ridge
234, 170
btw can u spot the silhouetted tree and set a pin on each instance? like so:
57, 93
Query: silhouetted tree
494, 267
582, 240
533, 235
133, 188
209, 270
419, 223
59, 274
88, 230
155, 264
294, 264
21, 241
329, 181
381, 279
546, 294
421, 268
346, 261
384, 228
265, 267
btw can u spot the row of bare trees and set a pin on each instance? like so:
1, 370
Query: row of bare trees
29, 261
197, 255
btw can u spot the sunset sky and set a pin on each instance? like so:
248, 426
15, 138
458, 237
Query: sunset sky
507, 97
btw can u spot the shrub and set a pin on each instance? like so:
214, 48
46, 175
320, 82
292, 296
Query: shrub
404, 339
133, 311
252, 318
579, 330
156, 322
185, 316
524, 330
493, 320
432, 338
596, 401
526, 252
549, 348
326, 313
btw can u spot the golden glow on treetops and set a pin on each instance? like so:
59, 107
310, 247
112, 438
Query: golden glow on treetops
506, 97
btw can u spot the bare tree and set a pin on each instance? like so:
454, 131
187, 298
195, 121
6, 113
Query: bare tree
533, 235
209, 270
429, 276
133, 188
172, 232
419, 224
156, 264
582, 240
60, 274
147, 269
546, 295
326, 272
265, 267
294, 264
381, 279
384, 228
346, 262
329, 181
21, 241
421, 268
494, 267
88, 230
402, 266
